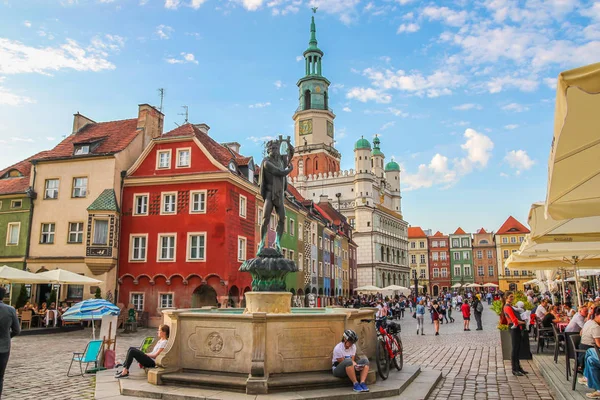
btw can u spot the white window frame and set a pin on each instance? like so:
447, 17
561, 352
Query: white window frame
8, 233
135, 203
94, 231
490, 254
243, 206
480, 270
143, 300
466, 255
291, 255
158, 153
513, 239
12, 204
292, 227
132, 238
189, 160
300, 233
444, 273
459, 270
77, 233
300, 262
454, 256
189, 247
241, 252
467, 268
435, 256
491, 269
443, 256
159, 248
49, 233
160, 299
436, 272
504, 240
320, 268
162, 203
200, 193
506, 253
434, 243
85, 188
480, 254
422, 259
57, 188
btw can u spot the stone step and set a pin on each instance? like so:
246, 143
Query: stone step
207, 379
421, 387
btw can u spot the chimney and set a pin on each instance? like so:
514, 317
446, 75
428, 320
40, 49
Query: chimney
151, 121
323, 199
235, 146
79, 121
203, 128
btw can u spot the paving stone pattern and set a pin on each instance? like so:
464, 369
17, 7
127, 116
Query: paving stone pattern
471, 363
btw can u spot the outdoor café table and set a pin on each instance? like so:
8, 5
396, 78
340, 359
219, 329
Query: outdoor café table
561, 326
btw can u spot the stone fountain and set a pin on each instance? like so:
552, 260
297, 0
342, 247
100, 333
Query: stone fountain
269, 346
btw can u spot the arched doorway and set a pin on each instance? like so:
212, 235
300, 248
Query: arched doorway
436, 290
204, 295
234, 297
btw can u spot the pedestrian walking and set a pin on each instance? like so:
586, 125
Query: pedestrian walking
435, 315
449, 310
477, 311
9, 327
420, 315
402, 308
489, 298
515, 325
443, 312
466, 312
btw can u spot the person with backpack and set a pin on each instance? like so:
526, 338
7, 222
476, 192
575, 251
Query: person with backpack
478, 310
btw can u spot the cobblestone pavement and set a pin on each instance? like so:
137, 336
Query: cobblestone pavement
471, 363
37, 368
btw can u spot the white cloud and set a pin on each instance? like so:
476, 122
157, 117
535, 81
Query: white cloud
18, 58
368, 94
143, 2
27, 24
408, 28
437, 84
20, 139
50, 138
251, 5
8, 98
347, 109
519, 160
550, 82
278, 84
195, 4
185, 58
502, 174
511, 127
446, 15
299, 58
164, 31
345, 10
467, 106
260, 139
172, 4
397, 112
442, 171
259, 105
515, 107
386, 59
387, 125
341, 133
496, 85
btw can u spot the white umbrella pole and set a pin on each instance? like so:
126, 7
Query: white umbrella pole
93, 327
562, 284
576, 282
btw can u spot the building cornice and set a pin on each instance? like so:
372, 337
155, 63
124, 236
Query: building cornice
58, 259
218, 176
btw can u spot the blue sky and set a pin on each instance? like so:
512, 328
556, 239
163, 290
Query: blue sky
462, 93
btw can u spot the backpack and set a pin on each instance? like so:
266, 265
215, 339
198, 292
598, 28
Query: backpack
479, 307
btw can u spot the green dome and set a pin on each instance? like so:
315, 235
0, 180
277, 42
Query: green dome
362, 143
392, 166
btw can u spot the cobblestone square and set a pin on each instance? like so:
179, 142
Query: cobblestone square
471, 363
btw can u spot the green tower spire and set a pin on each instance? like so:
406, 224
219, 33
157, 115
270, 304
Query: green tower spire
312, 44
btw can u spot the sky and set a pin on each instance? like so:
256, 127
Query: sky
461, 93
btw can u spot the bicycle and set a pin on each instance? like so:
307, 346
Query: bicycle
389, 347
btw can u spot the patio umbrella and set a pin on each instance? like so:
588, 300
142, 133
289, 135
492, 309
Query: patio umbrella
90, 310
573, 167
456, 285
490, 285
395, 288
64, 277
10, 275
545, 229
532, 282
367, 288
413, 286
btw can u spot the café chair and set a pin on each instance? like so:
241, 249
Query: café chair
558, 338
574, 342
544, 335
26, 318
89, 355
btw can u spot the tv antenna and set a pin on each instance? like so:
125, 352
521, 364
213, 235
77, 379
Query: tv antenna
161, 93
185, 113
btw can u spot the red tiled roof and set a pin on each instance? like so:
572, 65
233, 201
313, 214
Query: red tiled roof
20, 184
511, 225
114, 136
482, 230
459, 231
221, 153
416, 232
294, 192
332, 213
439, 234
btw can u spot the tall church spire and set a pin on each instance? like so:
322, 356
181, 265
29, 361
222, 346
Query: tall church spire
313, 55
312, 44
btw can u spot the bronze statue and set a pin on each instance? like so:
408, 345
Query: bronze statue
273, 183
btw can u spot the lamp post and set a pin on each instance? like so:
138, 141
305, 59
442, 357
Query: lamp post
416, 288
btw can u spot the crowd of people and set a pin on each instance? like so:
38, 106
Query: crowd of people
47, 316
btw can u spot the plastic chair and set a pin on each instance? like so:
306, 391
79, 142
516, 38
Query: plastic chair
575, 341
543, 336
569, 353
26, 317
558, 337
90, 355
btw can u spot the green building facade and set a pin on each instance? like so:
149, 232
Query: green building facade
461, 257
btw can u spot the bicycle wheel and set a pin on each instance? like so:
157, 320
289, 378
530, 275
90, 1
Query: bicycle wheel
398, 360
383, 360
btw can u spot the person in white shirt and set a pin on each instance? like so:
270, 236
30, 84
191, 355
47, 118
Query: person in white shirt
541, 311
146, 360
577, 322
344, 362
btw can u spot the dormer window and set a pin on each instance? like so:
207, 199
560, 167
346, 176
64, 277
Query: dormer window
232, 166
82, 149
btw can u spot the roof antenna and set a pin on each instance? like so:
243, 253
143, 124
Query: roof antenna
186, 114
161, 92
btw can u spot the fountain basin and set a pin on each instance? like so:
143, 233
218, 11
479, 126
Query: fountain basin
259, 345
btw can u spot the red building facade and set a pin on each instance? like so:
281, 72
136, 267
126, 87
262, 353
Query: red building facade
188, 223
439, 263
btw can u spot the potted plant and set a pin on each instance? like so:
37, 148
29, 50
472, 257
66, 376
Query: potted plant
505, 340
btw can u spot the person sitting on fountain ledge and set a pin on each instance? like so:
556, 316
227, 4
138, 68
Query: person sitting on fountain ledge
344, 364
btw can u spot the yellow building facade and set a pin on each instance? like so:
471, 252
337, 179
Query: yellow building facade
508, 240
